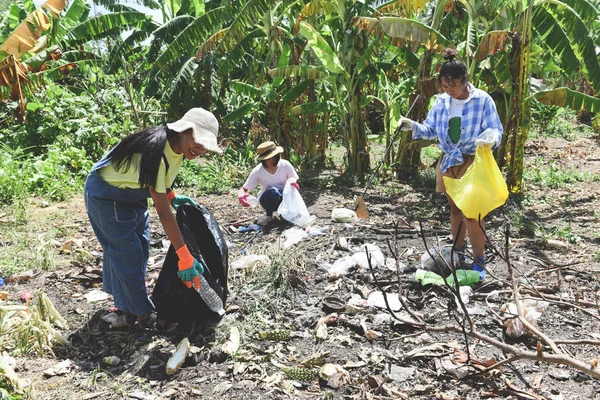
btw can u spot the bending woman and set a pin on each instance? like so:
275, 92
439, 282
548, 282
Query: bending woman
117, 189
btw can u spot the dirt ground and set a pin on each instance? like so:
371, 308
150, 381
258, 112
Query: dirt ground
553, 249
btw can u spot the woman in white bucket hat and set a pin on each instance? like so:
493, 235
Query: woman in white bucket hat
143, 165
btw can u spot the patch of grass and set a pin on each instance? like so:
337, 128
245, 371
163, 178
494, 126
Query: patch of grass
554, 176
567, 234
597, 256
30, 235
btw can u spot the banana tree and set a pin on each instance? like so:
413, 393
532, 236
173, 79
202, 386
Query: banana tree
563, 30
421, 41
27, 36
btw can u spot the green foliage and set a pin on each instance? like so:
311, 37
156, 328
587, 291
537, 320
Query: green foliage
542, 114
554, 176
64, 134
216, 174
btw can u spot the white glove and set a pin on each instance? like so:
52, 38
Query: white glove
405, 124
489, 137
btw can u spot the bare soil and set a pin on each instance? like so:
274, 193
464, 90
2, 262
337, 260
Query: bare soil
553, 246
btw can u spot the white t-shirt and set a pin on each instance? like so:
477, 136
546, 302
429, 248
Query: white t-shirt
260, 176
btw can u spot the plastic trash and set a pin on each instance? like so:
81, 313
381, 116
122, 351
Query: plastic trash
292, 207
315, 230
481, 189
252, 200
532, 310
465, 277
249, 228
441, 259
210, 297
376, 299
375, 254
340, 267
250, 261
343, 215
291, 236
1, 281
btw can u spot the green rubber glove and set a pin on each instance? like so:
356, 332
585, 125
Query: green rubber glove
199, 267
180, 200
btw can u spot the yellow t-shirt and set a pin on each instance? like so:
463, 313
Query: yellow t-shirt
129, 179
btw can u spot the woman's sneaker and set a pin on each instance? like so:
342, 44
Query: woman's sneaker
479, 266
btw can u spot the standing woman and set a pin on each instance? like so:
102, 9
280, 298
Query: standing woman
117, 189
462, 118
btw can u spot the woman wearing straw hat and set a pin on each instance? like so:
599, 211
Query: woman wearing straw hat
143, 165
271, 174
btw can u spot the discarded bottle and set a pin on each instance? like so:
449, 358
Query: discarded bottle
210, 297
1, 281
465, 277
249, 228
253, 201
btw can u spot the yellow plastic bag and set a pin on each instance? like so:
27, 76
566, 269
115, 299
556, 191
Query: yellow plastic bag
481, 189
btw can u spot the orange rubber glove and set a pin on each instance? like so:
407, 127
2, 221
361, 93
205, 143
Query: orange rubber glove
188, 272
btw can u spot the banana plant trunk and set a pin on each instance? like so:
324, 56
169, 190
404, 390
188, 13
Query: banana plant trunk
358, 155
408, 157
517, 123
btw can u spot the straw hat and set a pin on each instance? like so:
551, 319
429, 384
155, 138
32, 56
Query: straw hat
204, 126
266, 150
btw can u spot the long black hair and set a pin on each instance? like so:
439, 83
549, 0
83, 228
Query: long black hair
452, 68
150, 143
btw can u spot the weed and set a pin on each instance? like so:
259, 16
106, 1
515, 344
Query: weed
554, 176
567, 234
597, 256
29, 329
43, 255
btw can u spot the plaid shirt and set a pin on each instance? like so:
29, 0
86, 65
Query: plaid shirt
479, 113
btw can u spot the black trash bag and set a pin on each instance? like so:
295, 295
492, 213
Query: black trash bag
173, 301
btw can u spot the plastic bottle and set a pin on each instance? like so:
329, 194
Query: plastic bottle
1, 281
253, 201
210, 297
465, 277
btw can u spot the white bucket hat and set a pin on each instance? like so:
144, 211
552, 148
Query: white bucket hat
204, 126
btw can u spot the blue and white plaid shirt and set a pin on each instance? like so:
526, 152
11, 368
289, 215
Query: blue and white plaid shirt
479, 113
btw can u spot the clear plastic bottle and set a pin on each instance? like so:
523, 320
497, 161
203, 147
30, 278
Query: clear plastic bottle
253, 201
210, 297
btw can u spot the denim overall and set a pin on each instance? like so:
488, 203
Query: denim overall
270, 200
120, 220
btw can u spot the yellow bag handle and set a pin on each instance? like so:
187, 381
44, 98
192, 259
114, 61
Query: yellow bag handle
481, 189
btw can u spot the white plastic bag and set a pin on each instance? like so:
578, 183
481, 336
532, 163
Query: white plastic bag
291, 236
292, 207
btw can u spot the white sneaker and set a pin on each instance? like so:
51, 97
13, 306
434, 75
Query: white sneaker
264, 220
